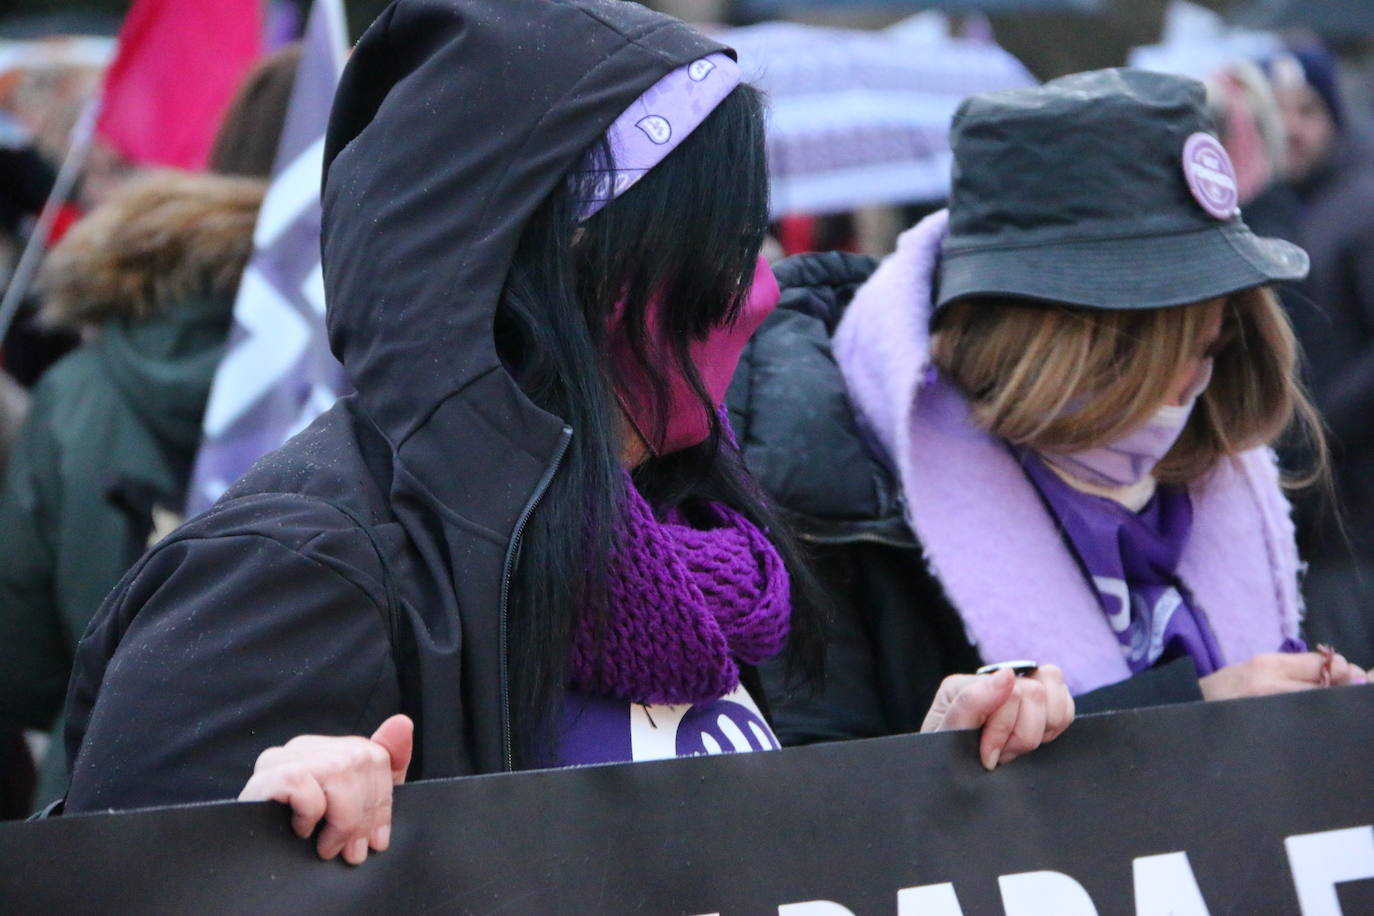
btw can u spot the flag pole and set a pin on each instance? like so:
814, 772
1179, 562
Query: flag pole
82, 135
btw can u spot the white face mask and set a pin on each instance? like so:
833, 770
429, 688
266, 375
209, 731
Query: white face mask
1133, 457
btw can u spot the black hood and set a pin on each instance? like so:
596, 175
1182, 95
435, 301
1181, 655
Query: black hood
453, 121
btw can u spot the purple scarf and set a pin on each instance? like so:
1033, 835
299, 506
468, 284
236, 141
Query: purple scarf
684, 607
1132, 561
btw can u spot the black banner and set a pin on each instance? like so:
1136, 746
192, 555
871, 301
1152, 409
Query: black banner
1248, 807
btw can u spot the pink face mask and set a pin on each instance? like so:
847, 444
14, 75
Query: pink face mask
1128, 461
715, 359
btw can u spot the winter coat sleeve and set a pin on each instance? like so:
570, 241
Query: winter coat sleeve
34, 653
1162, 685
216, 647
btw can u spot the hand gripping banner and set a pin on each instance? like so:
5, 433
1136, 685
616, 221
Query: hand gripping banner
1253, 806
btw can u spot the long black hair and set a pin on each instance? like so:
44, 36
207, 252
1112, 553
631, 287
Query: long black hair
688, 234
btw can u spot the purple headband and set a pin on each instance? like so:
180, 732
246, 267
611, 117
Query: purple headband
657, 122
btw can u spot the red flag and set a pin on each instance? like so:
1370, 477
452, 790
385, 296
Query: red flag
177, 66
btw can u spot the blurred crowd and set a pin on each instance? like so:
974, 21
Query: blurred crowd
108, 363
125, 327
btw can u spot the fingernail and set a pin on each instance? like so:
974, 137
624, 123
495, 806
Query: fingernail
992, 759
381, 837
357, 850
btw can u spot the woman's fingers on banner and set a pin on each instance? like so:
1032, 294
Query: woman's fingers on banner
1263, 675
966, 700
347, 788
1323, 668
291, 785
342, 811
346, 782
1028, 731
1282, 672
999, 724
397, 735
1059, 705
1345, 674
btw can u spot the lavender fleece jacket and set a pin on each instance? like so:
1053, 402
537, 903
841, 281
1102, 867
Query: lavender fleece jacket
986, 534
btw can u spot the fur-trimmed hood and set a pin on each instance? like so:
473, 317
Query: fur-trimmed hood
154, 271
160, 239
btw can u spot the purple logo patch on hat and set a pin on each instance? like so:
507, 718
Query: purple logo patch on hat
1210, 175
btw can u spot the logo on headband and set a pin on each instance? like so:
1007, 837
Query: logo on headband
701, 69
680, 101
1210, 175
656, 128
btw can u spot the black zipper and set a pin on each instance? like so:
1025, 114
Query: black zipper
839, 540
866, 537
512, 554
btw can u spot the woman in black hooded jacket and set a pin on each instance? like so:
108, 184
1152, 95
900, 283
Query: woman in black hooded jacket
458, 548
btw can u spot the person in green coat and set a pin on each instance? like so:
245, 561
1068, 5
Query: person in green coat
100, 468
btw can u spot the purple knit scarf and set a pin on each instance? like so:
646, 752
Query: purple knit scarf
684, 607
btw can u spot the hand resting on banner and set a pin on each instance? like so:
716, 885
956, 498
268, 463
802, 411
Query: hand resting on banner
345, 782
1017, 715
1281, 672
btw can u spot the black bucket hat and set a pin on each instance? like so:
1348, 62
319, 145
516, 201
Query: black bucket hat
1106, 189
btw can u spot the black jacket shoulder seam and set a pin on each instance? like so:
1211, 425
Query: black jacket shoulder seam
294, 550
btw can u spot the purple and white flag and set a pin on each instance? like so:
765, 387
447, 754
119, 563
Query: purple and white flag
277, 373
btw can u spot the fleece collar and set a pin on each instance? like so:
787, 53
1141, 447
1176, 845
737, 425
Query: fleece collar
988, 537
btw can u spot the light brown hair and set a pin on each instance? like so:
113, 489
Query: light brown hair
246, 142
1058, 378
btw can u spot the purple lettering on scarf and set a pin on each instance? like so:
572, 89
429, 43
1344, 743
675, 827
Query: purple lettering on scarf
1132, 561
